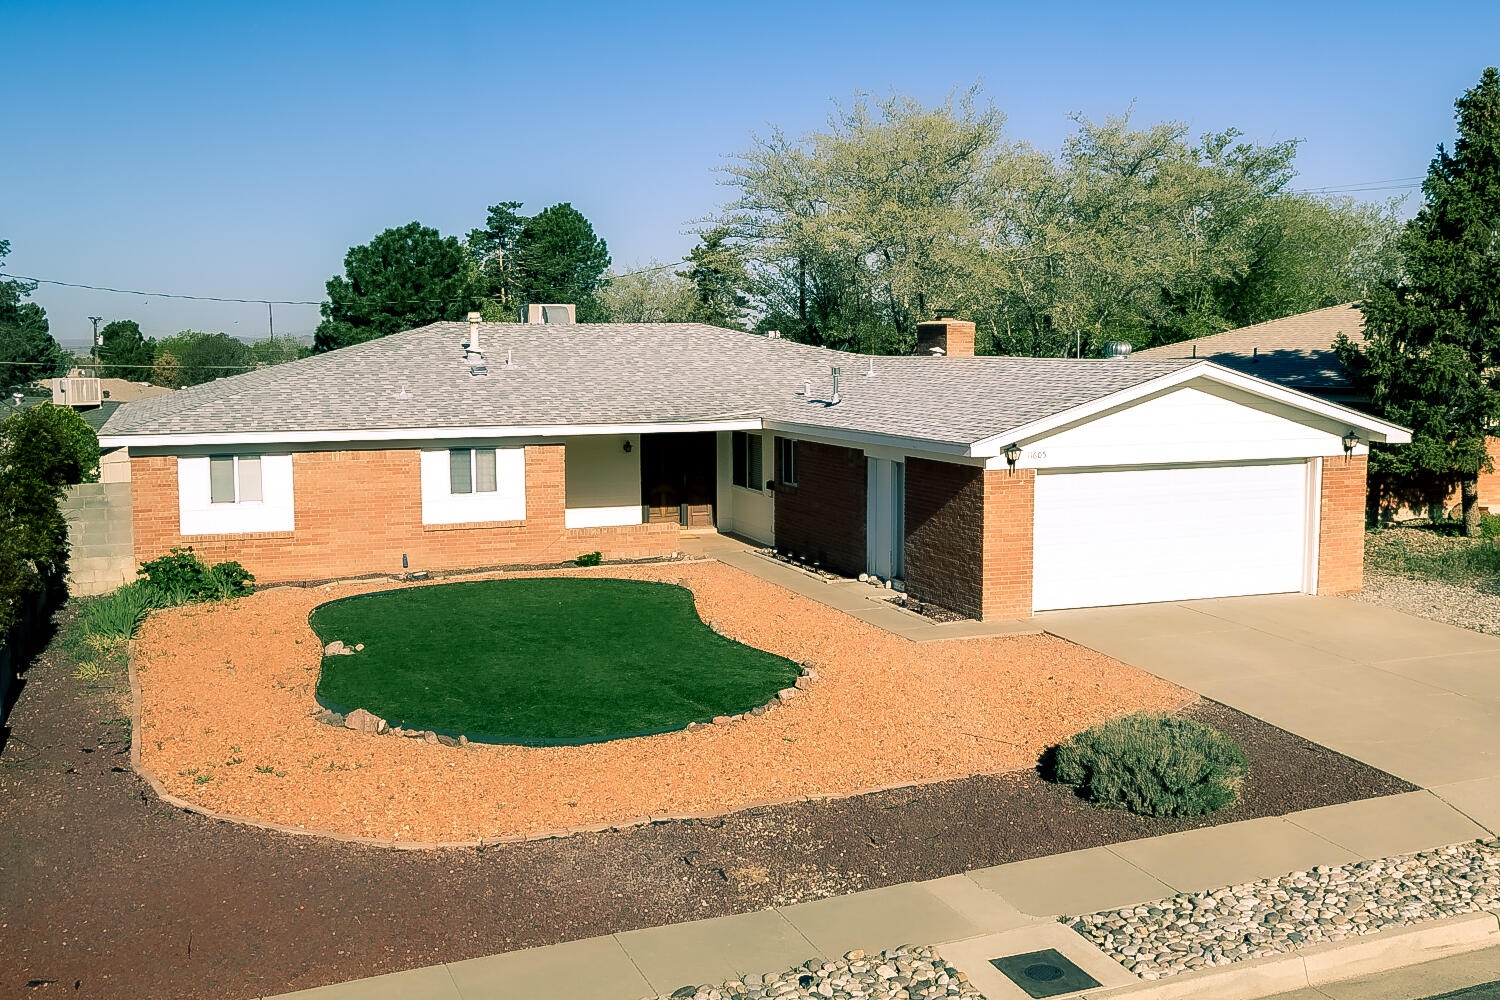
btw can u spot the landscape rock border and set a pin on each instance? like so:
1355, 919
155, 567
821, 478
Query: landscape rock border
1277, 916
917, 972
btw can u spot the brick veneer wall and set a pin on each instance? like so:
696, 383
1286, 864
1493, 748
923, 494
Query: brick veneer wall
944, 529
358, 511
969, 537
1341, 525
823, 516
1489, 482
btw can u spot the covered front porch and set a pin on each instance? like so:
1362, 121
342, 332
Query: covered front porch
697, 480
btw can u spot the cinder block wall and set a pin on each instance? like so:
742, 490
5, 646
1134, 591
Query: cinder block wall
823, 516
358, 511
1341, 525
101, 552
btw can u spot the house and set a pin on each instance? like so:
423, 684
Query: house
993, 486
1298, 352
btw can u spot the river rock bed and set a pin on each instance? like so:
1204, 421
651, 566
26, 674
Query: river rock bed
908, 971
1279, 915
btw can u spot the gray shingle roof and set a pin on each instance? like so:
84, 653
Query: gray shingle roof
1296, 351
627, 374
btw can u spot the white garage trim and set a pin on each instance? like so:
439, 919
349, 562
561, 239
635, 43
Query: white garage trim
1173, 532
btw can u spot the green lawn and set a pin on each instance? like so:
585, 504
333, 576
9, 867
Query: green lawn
539, 660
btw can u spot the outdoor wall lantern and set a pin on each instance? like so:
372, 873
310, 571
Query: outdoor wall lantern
1012, 456
1350, 440
627, 446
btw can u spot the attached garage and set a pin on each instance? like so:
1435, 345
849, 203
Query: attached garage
1129, 536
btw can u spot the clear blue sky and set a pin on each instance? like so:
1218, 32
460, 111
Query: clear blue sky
239, 150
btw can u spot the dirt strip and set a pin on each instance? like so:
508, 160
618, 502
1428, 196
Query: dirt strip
227, 722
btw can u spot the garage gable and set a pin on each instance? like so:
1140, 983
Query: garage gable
1198, 421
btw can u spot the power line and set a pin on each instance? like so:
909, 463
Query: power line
265, 302
86, 363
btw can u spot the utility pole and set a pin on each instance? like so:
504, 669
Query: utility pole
94, 347
270, 321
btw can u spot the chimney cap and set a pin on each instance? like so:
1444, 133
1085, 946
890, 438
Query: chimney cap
475, 317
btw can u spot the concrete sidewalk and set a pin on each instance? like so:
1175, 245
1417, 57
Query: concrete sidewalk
1022, 897
855, 599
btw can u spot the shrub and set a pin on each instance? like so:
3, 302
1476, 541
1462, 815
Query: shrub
230, 579
180, 577
1154, 765
1489, 525
120, 614
589, 559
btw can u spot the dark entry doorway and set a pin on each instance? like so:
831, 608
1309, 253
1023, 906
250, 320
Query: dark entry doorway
679, 478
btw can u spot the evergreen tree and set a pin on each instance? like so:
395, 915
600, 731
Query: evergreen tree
27, 348
719, 279
125, 352
1432, 358
492, 250
403, 278
558, 258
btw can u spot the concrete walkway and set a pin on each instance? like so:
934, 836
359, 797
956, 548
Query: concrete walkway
1416, 982
1410, 696
858, 600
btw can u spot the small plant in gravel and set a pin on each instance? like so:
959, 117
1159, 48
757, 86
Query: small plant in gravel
1153, 765
118, 615
589, 559
183, 577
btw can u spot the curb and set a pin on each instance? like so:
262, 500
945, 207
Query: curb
1324, 963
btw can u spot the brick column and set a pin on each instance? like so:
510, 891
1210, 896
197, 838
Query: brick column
1341, 525
1009, 531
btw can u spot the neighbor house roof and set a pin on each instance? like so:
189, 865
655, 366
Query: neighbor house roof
590, 376
1296, 351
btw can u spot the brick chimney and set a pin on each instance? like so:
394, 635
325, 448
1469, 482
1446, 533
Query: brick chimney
951, 337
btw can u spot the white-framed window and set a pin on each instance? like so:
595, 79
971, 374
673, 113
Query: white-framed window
471, 470
747, 458
234, 494
476, 484
234, 479
786, 461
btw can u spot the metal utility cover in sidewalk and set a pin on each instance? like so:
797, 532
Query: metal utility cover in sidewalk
1044, 973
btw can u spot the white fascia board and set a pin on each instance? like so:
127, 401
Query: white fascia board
1373, 428
834, 435
421, 433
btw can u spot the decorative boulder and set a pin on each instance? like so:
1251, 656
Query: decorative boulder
337, 648
364, 722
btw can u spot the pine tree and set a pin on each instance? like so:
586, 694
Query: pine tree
1432, 357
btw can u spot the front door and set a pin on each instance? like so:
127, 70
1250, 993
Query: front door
885, 517
679, 481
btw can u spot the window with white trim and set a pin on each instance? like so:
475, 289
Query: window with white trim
234, 494
471, 470
747, 459
473, 485
234, 479
786, 460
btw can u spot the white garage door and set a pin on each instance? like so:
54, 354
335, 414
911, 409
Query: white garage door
1136, 536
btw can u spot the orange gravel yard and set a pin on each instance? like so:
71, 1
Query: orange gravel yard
228, 721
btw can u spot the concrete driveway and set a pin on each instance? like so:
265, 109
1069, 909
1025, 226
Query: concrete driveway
1413, 697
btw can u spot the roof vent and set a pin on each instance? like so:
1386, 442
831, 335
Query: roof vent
1117, 349
474, 319
836, 372
773, 334
560, 313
